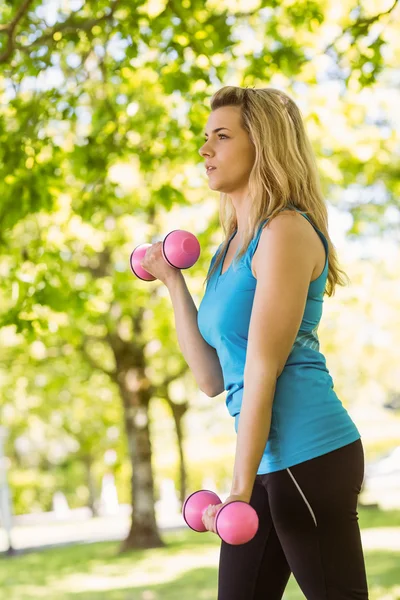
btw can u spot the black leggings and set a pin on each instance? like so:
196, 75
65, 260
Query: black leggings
308, 527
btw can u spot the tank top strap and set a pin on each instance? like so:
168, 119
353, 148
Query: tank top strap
248, 257
213, 259
258, 233
254, 243
321, 235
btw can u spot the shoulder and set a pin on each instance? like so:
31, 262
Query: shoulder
286, 237
287, 221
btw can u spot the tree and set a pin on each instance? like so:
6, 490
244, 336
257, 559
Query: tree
109, 89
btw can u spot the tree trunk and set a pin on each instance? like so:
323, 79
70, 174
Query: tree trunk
87, 460
178, 411
136, 392
143, 532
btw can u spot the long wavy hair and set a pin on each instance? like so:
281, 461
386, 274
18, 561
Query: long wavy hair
284, 174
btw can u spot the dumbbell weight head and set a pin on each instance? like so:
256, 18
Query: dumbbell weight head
236, 523
181, 249
136, 258
194, 507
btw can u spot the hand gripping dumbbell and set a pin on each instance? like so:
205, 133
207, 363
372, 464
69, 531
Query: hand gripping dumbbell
180, 249
236, 523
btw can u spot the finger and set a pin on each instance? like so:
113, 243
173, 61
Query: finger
207, 521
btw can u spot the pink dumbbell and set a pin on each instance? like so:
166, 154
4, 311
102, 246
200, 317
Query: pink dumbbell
236, 523
180, 249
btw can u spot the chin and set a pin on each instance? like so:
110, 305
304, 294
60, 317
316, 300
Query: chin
215, 186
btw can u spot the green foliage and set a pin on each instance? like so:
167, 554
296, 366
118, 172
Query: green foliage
110, 86
32, 490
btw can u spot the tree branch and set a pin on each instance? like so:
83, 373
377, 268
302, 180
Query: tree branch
102, 268
163, 386
176, 8
178, 409
361, 22
95, 365
69, 25
10, 30
23, 9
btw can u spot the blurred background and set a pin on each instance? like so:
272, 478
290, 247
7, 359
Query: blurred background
103, 430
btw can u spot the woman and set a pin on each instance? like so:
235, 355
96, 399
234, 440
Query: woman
299, 458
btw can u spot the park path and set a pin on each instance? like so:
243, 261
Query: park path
115, 527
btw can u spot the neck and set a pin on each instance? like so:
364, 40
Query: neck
241, 202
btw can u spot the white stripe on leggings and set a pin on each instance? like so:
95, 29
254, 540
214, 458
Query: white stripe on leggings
303, 496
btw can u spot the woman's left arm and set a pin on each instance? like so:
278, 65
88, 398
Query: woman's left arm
284, 262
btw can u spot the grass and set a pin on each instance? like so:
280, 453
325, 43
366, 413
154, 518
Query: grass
185, 568
373, 517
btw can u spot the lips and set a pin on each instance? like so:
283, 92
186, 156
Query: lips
210, 169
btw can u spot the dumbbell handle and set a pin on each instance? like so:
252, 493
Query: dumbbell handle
235, 522
180, 250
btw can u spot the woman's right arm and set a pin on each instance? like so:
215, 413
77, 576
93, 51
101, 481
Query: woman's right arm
201, 358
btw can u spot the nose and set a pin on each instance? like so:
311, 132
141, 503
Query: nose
202, 150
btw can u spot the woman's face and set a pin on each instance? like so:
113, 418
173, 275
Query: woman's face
230, 150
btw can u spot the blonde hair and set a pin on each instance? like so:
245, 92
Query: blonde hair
284, 173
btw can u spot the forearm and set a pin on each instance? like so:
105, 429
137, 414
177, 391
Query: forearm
253, 430
201, 358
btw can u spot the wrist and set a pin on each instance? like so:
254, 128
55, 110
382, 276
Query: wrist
244, 495
242, 486
173, 277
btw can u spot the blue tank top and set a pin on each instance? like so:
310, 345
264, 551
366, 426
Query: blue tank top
308, 419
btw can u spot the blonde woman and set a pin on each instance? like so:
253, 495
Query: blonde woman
299, 458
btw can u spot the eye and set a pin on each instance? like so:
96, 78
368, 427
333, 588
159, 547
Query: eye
219, 135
